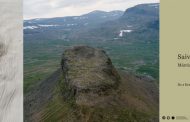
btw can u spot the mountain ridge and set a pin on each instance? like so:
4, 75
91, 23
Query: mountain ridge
95, 11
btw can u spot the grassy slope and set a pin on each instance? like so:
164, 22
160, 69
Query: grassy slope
134, 105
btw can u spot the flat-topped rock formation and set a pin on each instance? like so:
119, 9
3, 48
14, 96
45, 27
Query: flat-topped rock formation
89, 73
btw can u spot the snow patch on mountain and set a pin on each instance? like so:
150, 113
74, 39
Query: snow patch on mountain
47, 25
71, 24
80, 18
124, 31
30, 27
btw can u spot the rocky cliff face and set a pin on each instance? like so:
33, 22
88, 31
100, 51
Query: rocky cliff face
89, 74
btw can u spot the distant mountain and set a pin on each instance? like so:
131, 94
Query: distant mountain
143, 10
137, 23
143, 20
99, 16
62, 25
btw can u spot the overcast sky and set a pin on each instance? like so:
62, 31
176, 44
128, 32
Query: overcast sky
59, 8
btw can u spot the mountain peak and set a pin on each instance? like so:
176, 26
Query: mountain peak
142, 11
98, 11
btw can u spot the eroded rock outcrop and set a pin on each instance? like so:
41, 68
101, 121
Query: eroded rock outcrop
88, 88
89, 75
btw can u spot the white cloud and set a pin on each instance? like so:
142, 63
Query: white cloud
57, 8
